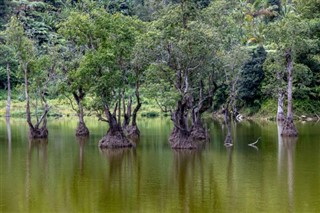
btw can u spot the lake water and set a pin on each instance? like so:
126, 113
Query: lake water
66, 174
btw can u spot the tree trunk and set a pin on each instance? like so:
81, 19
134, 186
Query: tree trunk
82, 129
28, 113
228, 140
133, 131
280, 113
182, 137
9, 92
115, 137
34, 131
289, 128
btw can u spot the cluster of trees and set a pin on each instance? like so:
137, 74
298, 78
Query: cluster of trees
190, 55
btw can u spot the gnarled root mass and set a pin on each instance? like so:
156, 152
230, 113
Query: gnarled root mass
132, 131
35, 133
289, 129
82, 130
115, 139
188, 140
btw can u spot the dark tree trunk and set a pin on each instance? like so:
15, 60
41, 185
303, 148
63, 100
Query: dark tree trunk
9, 92
289, 128
82, 129
228, 140
115, 137
132, 131
35, 131
183, 136
180, 136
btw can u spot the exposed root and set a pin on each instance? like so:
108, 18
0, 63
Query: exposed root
289, 129
198, 133
115, 139
132, 132
82, 130
35, 133
185, 140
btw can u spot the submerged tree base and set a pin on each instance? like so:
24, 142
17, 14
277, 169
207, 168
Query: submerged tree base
115, 139
188, 140
132, 132
289, 129
82, 130
36, 133
228, 141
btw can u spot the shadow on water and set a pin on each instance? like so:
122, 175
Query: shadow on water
123, 178
37, 157
9, 141
188, 170
81, 141
286, 156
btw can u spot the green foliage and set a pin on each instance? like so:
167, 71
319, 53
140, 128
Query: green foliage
108, 48
249, 84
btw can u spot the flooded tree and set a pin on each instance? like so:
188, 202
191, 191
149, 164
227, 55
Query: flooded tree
26, 54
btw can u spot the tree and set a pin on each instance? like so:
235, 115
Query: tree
106, 42
78, 33
288, 35
25, 52
8, 63
184, 69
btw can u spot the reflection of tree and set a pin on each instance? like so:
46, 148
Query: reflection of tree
123, 176
188, 163
9, 140
286, 152
81, 141
36, 148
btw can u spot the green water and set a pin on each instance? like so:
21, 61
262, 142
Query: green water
66, 174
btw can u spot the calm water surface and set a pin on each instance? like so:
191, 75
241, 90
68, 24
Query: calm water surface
69, 174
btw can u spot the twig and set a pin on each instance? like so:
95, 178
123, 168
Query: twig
252, 144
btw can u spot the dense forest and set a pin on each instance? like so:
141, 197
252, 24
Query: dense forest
110, 57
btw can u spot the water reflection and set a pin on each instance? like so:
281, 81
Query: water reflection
123, 179
9, 140
37, 151
286, 156
81, 141
188, 170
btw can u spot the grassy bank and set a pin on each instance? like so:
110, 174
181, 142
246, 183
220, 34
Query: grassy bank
61, 107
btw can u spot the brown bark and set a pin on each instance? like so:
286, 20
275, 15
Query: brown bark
26, 87
115, 137
35, 131
183, 136
289, 128
82, 129
228, 140
9, 92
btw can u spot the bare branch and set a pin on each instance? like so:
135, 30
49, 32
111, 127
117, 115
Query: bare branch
252, 144
72, 106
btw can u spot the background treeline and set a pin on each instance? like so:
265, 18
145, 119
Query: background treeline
96, 52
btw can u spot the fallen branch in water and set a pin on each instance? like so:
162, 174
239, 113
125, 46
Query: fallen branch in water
318, 117
252, 144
